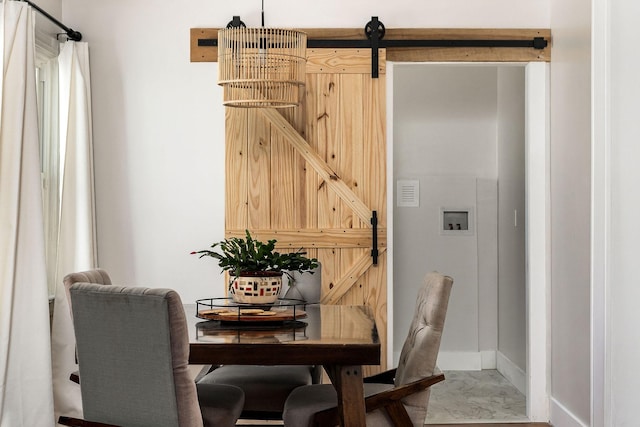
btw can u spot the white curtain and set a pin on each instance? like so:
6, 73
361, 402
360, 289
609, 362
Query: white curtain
25, 348
76, 249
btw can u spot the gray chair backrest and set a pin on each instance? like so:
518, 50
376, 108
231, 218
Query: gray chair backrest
133, 351
420, 351
97, 276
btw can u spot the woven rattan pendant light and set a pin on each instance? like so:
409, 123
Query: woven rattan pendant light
261, 67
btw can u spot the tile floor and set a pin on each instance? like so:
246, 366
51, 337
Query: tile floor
475, 396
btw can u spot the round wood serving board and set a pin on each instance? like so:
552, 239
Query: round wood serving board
251, 315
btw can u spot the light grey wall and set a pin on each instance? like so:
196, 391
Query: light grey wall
512, 314
570, 209
420, 247
445, 120
487, 220
445, 137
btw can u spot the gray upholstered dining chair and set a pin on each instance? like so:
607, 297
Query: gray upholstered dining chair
266, 388
98, 276
133, 351
398, 397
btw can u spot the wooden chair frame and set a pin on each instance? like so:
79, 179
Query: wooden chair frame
389, 400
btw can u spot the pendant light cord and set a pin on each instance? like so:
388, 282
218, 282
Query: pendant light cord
262, 13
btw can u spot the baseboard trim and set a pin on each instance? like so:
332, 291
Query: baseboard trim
512, 372
488, 359
466, 360
460, 361
561, 416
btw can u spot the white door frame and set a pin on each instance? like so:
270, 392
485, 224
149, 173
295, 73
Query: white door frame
538, 232
538, 238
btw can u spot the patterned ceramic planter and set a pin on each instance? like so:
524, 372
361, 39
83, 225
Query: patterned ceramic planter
262, 288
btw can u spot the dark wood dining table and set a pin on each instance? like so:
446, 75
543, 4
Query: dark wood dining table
340, 338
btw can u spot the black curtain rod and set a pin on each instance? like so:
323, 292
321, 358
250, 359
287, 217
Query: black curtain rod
76, 36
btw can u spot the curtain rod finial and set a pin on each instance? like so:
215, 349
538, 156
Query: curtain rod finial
76, 36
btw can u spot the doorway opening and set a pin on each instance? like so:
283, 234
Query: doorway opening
472, 138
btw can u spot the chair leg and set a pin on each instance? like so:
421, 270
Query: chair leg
398, 414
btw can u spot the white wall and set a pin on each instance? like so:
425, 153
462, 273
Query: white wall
158, 123
159, 146
570, 210
53, 8
511, 216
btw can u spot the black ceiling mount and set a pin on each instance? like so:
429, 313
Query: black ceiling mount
236, 23
374, 33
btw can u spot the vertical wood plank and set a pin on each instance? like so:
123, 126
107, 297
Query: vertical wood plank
259, 171
375, 149
300, 194
375, 153
329, 274
328, 120
282, 177
375, 284
312, 180
352, 155
352, 162
236, 183
282, 182
328, 123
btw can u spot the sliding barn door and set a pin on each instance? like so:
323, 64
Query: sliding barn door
312, 177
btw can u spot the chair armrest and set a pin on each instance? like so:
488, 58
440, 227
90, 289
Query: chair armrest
77, 422
386, 377
383, 398
390, 400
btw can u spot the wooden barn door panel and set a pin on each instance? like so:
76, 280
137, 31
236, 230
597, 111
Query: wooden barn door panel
310, 177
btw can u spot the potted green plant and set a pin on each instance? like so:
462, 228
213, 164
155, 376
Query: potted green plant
256, 268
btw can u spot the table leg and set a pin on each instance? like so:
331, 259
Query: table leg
347, 379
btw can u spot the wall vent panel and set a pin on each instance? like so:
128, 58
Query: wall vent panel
408, 193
